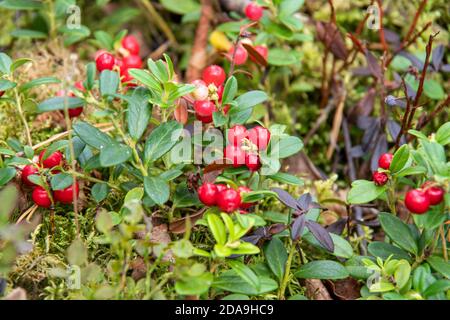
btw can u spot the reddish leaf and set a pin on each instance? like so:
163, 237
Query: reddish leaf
255, 54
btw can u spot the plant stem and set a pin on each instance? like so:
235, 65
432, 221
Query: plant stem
286, 272
22, 117
444, 242
92, 179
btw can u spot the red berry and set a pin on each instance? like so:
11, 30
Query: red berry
52, 160
221, 187
252, 162
75, 112
242, 190
66, 195
234, 155
253, 11
132, 62
380, 178
229, 200
105, 61
259, 136
240, 57
79, 85
27, 171
236, 134
207, 193
214, 74
204, 110
220, 92
201, 91
263, 52
417, 201
435, 195
385, 161
131, 44
41, 197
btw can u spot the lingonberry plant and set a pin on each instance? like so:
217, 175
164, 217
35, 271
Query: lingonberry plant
223, 154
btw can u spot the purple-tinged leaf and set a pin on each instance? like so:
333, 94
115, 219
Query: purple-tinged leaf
285, 198
445, 68
298, 226
338, 226
321, 234
382, 147
391, 36
410, 92
372, 223
414, 60
437, 56
254, 239
357, 152
364, 122
394, 129
395, 102
304, 201
361, 71
374, 65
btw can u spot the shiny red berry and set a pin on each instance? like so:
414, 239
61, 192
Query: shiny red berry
263, 52
41, 197
234, 155
253, 11
131, 44
435, 195
66, 195
221, 187
229, 200
252, 161
75, 112
214, 74
27, 171
241, 55
242, 190
207, 193
259, 136
105, 61
236, 134
417, 201
380, 178
204, 110
52, 160
132, 62
385, 161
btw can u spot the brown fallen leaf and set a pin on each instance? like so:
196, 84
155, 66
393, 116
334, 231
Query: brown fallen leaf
346, 289
179, 226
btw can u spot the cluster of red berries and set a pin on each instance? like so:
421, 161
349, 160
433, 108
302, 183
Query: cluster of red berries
241, 54
384, 162
243, 146
418, 201
128, 59
208, 90
75, 112
227, 199
40, 195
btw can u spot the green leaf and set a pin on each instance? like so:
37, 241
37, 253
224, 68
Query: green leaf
230, 282
161, 140
109, 82
181, 7
384, 250
157, 189
433, 89
286, 147
230, 90
146, 79
27, 33
5, 63
402, 273
92, 136
282, 57
104, 39
288, 7
342, 248
6, 85
21, 4
245, 273
322, 269
219, 119
99, 192
440, 265
139, 113
114, 154
286, 178
276, 257
77, 253
364, 191
398, 231
443, 134
194, 285
400, 159
437, 287
91, 71
61, 181
38, 82
240, 113
6, 175
59, 103
217, 228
